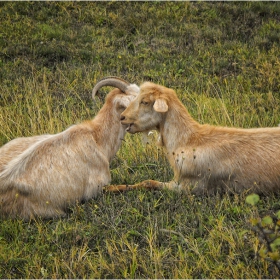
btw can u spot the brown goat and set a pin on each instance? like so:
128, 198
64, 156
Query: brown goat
204, 158
43, 175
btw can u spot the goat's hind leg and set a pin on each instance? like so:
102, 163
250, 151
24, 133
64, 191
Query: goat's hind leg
148, 184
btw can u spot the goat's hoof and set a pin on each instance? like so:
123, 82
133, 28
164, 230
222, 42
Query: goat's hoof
150, 184
115, 188
198, 191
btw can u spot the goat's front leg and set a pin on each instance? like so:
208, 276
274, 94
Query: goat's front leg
147, 184
199, 188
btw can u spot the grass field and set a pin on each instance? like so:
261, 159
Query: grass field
222, 58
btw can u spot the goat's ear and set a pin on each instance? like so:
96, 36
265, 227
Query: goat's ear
160, 105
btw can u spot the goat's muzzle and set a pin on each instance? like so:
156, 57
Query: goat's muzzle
128, 125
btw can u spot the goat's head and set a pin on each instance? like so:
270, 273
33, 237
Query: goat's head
121, 96
147, 110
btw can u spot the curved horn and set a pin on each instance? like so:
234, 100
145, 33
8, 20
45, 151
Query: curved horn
111, 81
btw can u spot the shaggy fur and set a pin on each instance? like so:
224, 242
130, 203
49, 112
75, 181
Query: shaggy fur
43, 175
16, 147
205, 158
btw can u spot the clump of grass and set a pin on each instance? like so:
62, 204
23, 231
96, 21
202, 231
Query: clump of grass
222, 60
137, 235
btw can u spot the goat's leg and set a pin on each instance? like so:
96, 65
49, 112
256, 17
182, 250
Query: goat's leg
200, 188
148, 184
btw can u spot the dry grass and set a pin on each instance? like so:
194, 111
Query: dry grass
223, 61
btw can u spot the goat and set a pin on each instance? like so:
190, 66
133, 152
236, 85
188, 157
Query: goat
205, 159
44, 175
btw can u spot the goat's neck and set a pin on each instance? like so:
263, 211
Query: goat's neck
109, 131
177, 127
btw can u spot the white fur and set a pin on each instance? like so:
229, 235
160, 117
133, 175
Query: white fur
133, 89
43, 175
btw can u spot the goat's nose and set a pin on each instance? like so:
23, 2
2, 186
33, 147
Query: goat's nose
122, 118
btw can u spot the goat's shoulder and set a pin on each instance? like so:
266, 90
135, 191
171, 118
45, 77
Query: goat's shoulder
77, 131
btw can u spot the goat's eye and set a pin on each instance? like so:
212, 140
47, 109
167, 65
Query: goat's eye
144, 102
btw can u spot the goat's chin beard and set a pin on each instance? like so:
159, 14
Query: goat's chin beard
134, 128
131, 129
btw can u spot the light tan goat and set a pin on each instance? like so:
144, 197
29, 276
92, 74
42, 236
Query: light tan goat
43, 175
204, 158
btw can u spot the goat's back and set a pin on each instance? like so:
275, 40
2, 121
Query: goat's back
238, 159
16, 146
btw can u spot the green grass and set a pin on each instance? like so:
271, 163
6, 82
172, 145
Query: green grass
223, 61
